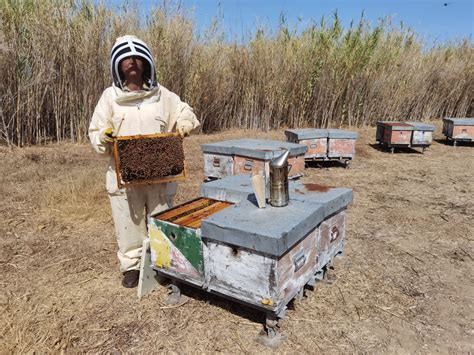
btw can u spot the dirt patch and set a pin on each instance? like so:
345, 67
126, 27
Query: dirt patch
404, 284
148, 159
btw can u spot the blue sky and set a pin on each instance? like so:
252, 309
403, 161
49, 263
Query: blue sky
435, 21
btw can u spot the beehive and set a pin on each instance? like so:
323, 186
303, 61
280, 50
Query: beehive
249, 156
422, 134
226, 245
149, 159
458, 129
325, 144
265, 256
394, 134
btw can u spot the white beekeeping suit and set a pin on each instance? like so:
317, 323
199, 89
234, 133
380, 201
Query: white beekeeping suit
154, 109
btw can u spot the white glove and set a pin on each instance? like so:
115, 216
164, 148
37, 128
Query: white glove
106, 136
184, 131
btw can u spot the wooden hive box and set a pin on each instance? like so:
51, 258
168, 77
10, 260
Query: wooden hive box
175, 239
422, 135
149, 159
341, 144
394, 134
265, 256
459, 129
316, 141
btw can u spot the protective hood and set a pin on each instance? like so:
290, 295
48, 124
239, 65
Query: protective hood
128, 46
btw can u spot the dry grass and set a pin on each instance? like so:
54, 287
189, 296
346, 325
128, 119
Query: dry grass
405, 283
57, 55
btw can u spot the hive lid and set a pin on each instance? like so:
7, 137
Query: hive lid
266, 149
307, 133
270, 230
239, 188
460, 121
333, 199
421, 126
254, 148
234, 188
339, 133
224, 147
396, 126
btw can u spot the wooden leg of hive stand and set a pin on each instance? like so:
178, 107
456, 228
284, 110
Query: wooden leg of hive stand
271, 335
148, 279
300, 295
174, 296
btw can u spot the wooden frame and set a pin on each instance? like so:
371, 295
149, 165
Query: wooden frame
122, 184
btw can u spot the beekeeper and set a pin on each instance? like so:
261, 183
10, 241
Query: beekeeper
135, 104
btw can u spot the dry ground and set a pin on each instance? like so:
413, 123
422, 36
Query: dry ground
405, 283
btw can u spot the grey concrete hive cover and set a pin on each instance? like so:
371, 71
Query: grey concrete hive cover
307, 133
333, 199
421, 126
460, 121
342, 134
224, 147
395, 126
254, 148
270, 230
234, 188
238, 188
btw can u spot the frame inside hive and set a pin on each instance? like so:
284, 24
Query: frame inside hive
191, 214
149, 159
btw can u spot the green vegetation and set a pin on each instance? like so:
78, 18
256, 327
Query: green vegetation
54, 56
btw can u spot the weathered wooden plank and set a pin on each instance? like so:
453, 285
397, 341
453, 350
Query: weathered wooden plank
195, 218
296, 267
242, 274
463, 132
339, 147
296, 163
317, 147
217, 165
247, 166
197, 203
332, 234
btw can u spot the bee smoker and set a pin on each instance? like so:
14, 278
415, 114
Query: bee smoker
279, 195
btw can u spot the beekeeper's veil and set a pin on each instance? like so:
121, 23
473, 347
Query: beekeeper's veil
128, 46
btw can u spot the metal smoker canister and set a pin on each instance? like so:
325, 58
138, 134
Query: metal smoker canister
279, 195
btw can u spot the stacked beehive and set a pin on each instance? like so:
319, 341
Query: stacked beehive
325, 144
225, 244
404, 134
249, 156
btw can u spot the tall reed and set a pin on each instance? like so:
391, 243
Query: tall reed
55, 60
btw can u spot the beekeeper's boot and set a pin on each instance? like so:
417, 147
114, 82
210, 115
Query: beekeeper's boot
130, 278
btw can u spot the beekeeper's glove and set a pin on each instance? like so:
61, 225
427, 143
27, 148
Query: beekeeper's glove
106, 136
184, 131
